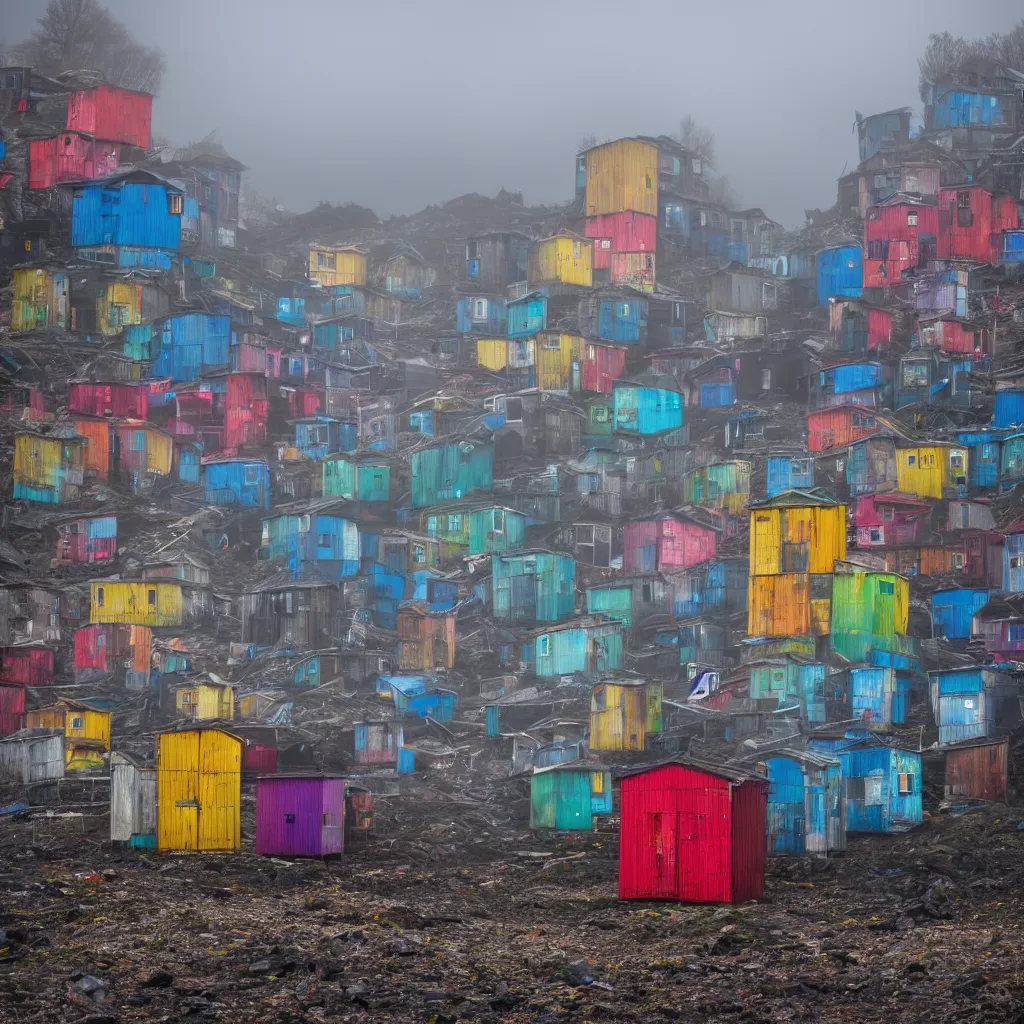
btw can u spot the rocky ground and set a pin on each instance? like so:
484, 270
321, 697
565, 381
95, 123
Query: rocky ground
447, 922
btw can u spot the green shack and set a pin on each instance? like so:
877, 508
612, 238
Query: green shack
569, 795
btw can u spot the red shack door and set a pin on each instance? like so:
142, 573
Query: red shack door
705, 863
662, 831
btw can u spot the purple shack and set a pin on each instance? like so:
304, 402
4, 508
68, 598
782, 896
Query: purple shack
300, 815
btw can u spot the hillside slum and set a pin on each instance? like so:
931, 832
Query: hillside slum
633, 548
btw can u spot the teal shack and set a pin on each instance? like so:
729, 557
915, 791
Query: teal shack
533, 586
647, 406
356, 479
568, 796
590, 646
495, 529
791, 680
451, 471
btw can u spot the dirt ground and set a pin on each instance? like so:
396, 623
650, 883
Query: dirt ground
444, 923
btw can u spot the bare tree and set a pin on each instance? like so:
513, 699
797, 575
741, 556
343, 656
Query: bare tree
945, 53
721, 192
701, 139
586, 142
77, 35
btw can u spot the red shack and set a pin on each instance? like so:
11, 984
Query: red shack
602, 364
31, 665
948, 334
693, 832
70, 156
899, 236
113, 114
971, 223
124, 401
246, 408
839, 425
12, 708
976, 771
621, 232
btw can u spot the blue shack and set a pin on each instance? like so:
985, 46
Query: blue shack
806, 804
292, 310
954, 610
974, 703
527, 315
621, 318
436, 592
383, 590
533, 586
883, 783
192, 344
317, 437
718, 585
482, 314
237, 481
983, 461
135, 215
420, 695
1013, 563
450, 471
1009, 406
329, 540
568, 796
647, 407
875, 696
588, 646
840, 272
789, 473
856, 383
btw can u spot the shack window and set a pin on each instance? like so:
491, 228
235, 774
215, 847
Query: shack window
912, 218
454, 523
766, 380
576, 250
76, 723
647, 181
418, 554
873, 791
854, 789
886, 587
252, 474
964, 216
597, 782
151, 597
498, 520
513, 410
175, 204
599, 414
323, 540
99, 598
543, 646
303, 524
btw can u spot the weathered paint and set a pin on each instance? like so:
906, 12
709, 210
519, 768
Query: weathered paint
300, 816
113, 649
147, 603
28, 758
971, 221
623, 713
797, 534
70, 156
644, 410
198, 790
664, 543
450, 471
954, 610
973, 703
899, 236
241, 482
788, 472
620, 176
12, 708
246, 409
559, 361
132, 802
591, 649
806, 805
206, 700
78, 721
977, 771
330, 541
626, 232
191, 344
633, 270
533, 586
927, 470
568, 796
693, 835
722, 485
27, 665
40, 299
145, 452
426, 639
779, 605
562, 259
112, 113
48, 469
840, 272
121, 400
377, 742
345, 477
331, 267
839, 426
869, 609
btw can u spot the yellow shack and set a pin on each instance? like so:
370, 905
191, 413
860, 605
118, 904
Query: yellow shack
623, 712
86, 731
136, 602
926, 470
199, 782
565, 259
206, 699
559, 361
621, 175
336, 265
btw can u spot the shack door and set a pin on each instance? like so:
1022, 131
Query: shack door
332, 821
661, 829
219, 791
573, 804
178, 792
705, 854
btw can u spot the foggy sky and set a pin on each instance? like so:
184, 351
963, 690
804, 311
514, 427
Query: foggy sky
395, 104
